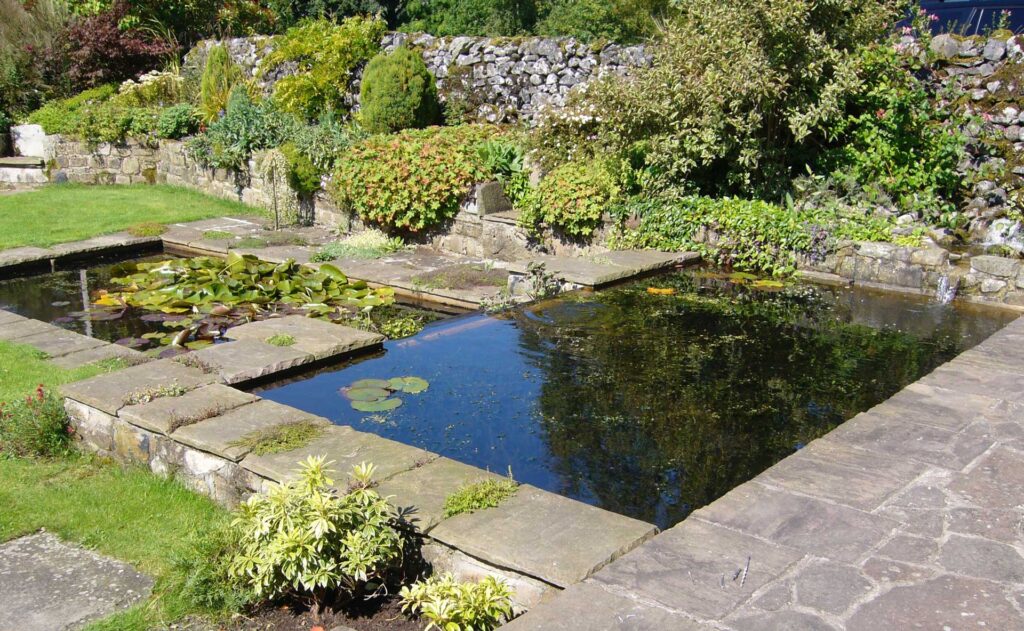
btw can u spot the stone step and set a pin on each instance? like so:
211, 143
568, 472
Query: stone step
22, 162
603, 269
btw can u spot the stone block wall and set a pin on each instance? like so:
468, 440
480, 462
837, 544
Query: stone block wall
492, 79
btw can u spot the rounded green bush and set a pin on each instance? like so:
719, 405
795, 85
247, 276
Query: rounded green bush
303, 176
177, 121
398, 92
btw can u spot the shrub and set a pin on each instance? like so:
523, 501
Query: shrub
368, 244
452, 606
398, 92
303, 176
35, 426
62, 116
178, 121
489, 493
326, 141
156, 88
412, 180
325, 55
471, 17
30, 66
505, 160
246, 126
571, 199
220, 76
895, 139
589, 20
301, 538
732, 101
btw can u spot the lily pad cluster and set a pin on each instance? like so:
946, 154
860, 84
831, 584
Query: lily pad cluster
376, 395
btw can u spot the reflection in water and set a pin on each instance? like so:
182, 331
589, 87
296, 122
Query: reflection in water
651, 406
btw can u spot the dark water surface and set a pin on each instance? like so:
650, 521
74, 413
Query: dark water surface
647, 405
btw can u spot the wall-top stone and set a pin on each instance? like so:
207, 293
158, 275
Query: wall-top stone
488, 79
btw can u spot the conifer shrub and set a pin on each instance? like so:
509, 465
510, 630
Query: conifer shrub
220, 75
398, 92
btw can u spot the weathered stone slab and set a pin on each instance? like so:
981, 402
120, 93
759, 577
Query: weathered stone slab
589, 606
98, 354
218, 435
553, 538
110, 392
15, 330
843, 474
948, 409
9, 317
946, 602
982, 558
246, 360
345, 448
17, 256
167, 414
280, 253
48, 585
982, 378
878, 431
699, 568
776, 620
318, 338
605, 268
997, 481
60, 342
805, 524
103, 242
419, 493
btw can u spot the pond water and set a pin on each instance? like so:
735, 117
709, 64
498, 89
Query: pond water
650, 405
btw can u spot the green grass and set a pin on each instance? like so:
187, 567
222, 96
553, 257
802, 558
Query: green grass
488, 493
22, 368
127, 513
280, 438
59, 213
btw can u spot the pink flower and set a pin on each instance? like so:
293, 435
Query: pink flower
880, 113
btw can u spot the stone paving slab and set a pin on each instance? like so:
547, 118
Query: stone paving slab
61, 342
607, 267
113, 241
345, 448
940, 407
544, 535
48, 585
218, 434
166, 414
980, 377
28, 254
846, 475
603, 610
110, 392
88, 356
802, 523
13, 331
280, 253
7, 317
419, 494
697, 567
318, 338
246, 360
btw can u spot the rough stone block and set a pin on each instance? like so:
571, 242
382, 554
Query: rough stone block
318, 338
59, 342
547, 536
98, 354
16, 330
246, 360
166, 414
995, 266
219, 435
419, 494
93, 427
110, 392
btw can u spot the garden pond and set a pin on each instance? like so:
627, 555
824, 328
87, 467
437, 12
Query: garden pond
650, 399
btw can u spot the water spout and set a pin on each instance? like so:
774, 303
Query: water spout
945, 292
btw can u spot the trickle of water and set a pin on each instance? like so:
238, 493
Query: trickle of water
945, 292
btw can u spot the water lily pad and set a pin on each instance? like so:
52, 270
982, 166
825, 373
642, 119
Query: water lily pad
385, 405
410, 385
372, 383
366, 394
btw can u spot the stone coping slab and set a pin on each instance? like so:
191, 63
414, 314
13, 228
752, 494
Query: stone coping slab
29, 254
7, 317
166, 414
219, 434
419, 494
49, 585
61, 342
345, 448
544, 535
110, 392
85, 357
318, 338
607, 267
246, 360
14, 331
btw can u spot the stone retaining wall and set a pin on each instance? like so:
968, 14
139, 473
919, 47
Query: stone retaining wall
490, 79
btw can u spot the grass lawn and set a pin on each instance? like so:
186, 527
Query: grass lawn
124, 512
22, 368
59, 213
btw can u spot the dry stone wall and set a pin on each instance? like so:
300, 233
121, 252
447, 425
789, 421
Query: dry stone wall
499, 80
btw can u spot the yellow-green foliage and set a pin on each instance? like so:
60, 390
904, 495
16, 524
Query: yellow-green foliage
220, 76
325, 55
571, 199
479, 495
453, 606
398, 92
283, 437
